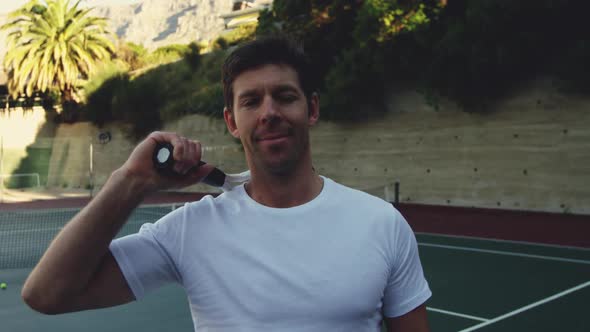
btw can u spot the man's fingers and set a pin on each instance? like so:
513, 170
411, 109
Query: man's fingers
186, 153
163, 137
192, 176
200, 172
196, 152
178, 144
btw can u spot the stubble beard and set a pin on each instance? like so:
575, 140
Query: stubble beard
286, 164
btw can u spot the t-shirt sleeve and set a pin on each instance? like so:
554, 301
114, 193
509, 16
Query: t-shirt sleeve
147, 258
407, 287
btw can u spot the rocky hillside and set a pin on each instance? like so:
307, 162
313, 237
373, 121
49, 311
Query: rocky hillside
155, 23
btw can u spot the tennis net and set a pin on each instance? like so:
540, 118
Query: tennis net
26, 234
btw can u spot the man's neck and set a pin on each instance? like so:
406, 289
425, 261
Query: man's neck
284, 190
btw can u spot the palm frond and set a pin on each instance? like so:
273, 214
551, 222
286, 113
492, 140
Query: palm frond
53, 45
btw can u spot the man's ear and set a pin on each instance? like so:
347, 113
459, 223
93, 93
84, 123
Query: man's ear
230, 122
314, 109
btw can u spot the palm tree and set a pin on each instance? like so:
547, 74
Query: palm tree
53, 47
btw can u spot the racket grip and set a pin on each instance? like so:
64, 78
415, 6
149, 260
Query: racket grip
215, 178
163, 161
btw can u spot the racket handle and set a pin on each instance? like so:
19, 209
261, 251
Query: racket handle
163, 161
215, 178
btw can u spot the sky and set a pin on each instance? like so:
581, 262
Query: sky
10, 5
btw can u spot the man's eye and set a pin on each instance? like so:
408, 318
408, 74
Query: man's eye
289, 98
249, 102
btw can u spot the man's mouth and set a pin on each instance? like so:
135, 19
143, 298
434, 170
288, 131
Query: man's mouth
276, 136
271, 137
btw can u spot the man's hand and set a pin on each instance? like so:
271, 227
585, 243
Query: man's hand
187, 154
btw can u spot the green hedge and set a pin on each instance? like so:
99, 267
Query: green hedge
166, 92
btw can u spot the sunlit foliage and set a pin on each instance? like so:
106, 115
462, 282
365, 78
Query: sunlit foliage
53, 46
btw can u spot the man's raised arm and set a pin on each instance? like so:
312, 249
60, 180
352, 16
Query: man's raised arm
414, 321
77, 271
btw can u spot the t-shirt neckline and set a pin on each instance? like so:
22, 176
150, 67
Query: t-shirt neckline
316, 201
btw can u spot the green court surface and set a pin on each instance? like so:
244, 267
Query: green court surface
163, 310
477, 285
487, 285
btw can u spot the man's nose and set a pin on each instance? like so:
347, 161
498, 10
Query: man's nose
270, 110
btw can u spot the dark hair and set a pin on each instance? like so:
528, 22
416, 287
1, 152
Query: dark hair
277, 50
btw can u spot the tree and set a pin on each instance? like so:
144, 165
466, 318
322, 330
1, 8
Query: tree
193, 55
313, 23
353, 68
53, 47
133, 55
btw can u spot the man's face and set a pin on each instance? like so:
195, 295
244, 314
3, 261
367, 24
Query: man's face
271, 116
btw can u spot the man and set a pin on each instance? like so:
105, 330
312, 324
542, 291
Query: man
290, 250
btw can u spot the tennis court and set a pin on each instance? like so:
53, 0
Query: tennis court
478, 284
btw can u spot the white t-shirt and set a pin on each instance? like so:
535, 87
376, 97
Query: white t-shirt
332, 264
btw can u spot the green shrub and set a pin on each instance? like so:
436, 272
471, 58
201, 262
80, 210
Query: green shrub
104, 101
35, 161
193, 56
207, 101
165, 92
134, 55
166, 54
133, 101
238, 35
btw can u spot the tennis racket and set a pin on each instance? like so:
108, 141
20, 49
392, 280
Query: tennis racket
164, 162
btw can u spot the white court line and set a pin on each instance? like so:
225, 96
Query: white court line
507, 253
446, 312
525, 308
503, 241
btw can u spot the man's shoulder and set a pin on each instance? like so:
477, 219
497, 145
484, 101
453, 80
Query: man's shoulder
197, 212
345, 194
213, 202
